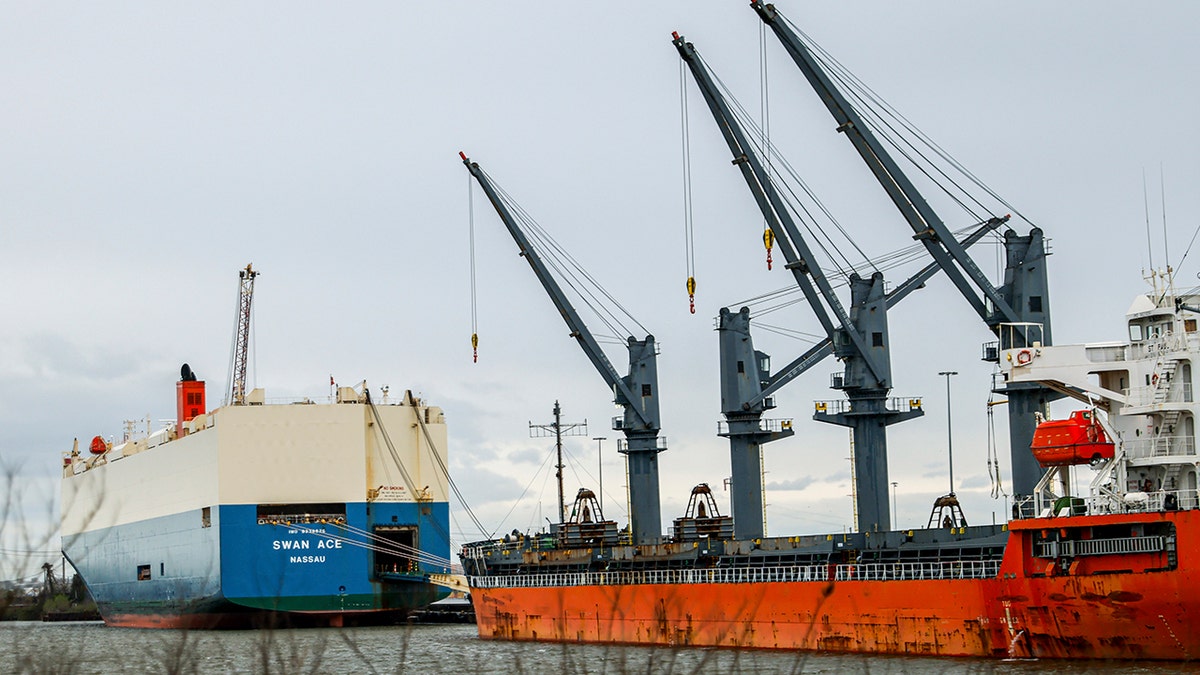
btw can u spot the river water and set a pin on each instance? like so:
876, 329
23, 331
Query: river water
91, 647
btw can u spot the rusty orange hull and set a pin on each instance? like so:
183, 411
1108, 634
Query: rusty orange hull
1028, 610
843, 616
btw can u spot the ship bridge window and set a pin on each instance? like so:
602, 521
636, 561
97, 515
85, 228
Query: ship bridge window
1135, 332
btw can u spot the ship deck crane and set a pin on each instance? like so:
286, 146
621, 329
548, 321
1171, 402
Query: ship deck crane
858, 337
1022, 299
636, 393
241, 337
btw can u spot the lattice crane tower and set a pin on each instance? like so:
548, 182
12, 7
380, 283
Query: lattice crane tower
241, 337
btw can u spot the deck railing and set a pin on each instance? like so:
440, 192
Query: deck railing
1101, 504
1122, 545
961, 569
1161, 446
1177, 392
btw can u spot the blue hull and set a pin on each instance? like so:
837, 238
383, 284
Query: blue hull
230, 566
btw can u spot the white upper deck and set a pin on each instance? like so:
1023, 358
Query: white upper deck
300, 452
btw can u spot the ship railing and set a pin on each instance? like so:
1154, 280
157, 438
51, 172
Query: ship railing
843, 406
1160, 446
483, 548
319, 400
771, 425
907, 571
1132, 501
1115, 546
1025, 507
954, 569
1177, 392
1161, 500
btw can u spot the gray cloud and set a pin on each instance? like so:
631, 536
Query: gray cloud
792, 484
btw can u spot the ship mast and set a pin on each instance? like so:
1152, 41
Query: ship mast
241, 337
558, 429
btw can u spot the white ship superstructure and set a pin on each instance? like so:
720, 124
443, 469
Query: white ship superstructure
1146, 388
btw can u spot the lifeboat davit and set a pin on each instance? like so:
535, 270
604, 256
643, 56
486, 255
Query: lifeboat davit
1079, 439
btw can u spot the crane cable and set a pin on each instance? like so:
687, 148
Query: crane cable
765, 127
570, 272
471, 237
798, 207
689, 235
444, 469
788, 296
864, 94
994, 456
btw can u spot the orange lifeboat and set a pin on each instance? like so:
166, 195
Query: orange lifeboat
98, 446
1079, 439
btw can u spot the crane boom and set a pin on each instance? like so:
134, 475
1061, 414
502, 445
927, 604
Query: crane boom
1023, 298
927, 227
579, 330
800, 260
636, 393
241, 336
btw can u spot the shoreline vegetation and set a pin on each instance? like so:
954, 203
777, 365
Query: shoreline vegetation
54, 601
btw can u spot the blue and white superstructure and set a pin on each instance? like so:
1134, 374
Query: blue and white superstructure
297, 513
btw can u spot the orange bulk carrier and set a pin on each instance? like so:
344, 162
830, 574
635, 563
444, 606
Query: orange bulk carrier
1107, 573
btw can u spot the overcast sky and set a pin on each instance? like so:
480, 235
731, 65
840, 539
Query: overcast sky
152, 150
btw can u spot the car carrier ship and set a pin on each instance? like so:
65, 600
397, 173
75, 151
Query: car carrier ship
1105, 574
260, 512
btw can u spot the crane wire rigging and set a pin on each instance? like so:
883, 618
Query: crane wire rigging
474, 303
571, 272
765, 134
881, 109
798, 207
788, 296
689, 233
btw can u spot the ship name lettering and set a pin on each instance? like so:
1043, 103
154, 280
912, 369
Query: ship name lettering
307, 559
289, 544
328, 543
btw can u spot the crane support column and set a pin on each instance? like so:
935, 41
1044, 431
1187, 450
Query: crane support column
743, 373
867, 411
641, 444
1028, 293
